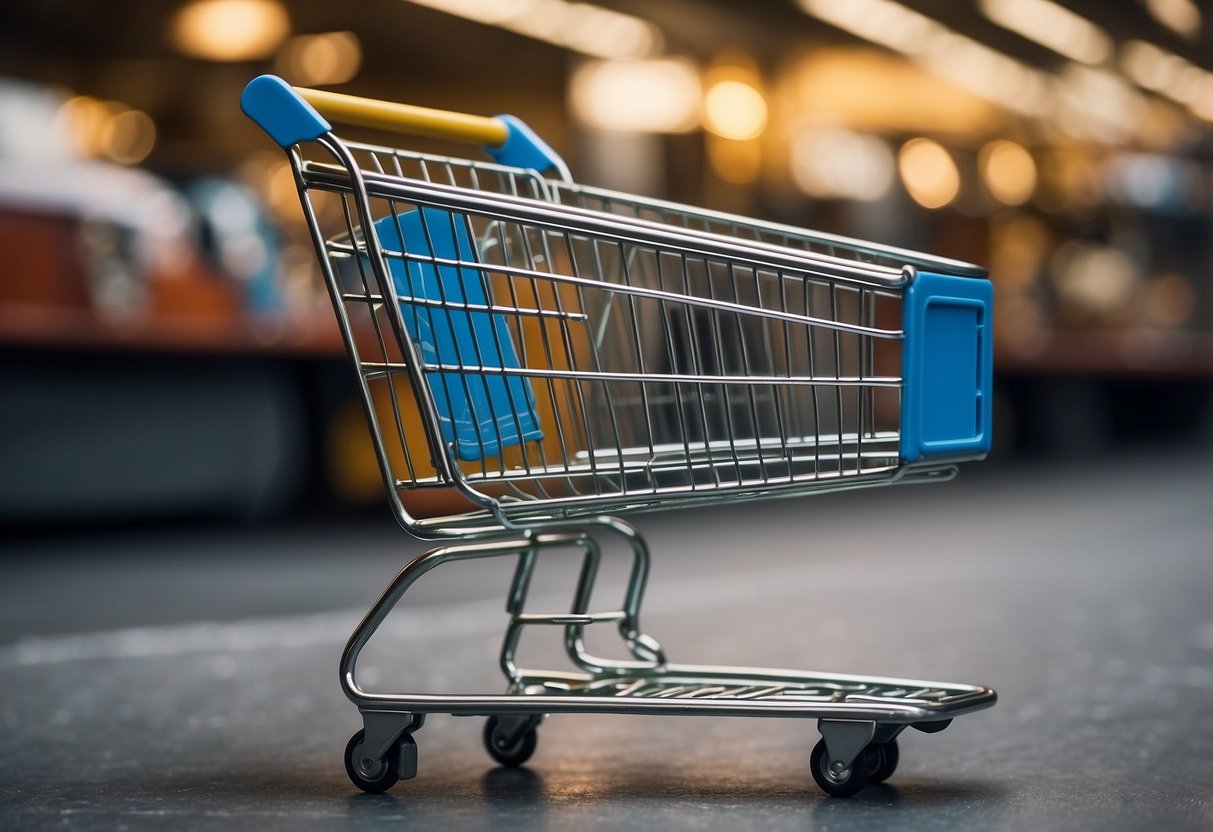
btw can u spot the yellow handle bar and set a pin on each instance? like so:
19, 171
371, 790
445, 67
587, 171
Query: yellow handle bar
293, 115
406, 118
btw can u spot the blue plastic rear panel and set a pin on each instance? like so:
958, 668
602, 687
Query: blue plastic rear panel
481, 413
947, 368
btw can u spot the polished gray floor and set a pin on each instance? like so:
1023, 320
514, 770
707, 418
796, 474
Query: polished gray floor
185, 677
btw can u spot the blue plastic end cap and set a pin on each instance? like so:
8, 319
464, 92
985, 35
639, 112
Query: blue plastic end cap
281, 112
947, 369
523, 148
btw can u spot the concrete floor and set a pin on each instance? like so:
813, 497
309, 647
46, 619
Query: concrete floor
188, 675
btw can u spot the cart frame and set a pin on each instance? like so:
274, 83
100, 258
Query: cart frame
566, 502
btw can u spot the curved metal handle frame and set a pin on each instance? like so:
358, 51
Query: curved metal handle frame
291, 115
648, 654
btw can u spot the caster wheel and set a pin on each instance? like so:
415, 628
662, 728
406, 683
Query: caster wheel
882, 760
372, 776
844, 783
511, 755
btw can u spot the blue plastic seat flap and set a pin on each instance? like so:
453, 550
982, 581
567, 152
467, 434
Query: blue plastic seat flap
481, 413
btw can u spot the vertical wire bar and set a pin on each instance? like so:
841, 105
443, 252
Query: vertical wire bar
747, 367
625, 269
611, 407
525, 358
680, 413
576, 405
861, 391
389, 379
810, 331
718, 339
482, 276
765, 329
448, 306
777, 390
698, 367
524, 355
516, 410
598, 334
545, 338
837, 369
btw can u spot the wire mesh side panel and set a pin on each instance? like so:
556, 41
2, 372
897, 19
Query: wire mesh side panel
579, 369
485, 177
737, 377
698, 219
374, 340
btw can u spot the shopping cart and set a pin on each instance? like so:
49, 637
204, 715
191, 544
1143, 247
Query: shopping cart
559, 354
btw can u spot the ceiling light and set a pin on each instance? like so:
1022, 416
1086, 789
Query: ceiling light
313, 60
654, 96
230, 30
945, 52
1052, 26
929, 173
1110, 107
1008, 171
975, 67
1180, 16
733, 109
879, 21
1168, 74
829, 163
86, 118
128, 137
582, 27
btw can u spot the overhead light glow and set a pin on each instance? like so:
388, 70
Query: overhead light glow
1008, 171
1180, 16
655, 96
128, 137
941, 50
880, 21
989, 73
734, 110
313, 60
1168, 74
108, 128
230, 30
582, 27
85, 118
1110, 107
928, 172
1052, 26
829, 163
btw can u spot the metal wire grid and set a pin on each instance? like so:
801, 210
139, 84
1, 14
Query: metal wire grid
486, 177
745, 228
815, 690
519, 182
494, 178
663, 370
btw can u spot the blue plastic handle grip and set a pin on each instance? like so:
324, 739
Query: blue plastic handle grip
281, 112
523, 148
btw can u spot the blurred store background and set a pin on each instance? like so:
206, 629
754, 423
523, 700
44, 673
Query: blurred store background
166, 347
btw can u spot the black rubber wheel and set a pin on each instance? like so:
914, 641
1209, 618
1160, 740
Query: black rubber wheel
514, 755
847, 783
882, 761
372, 779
